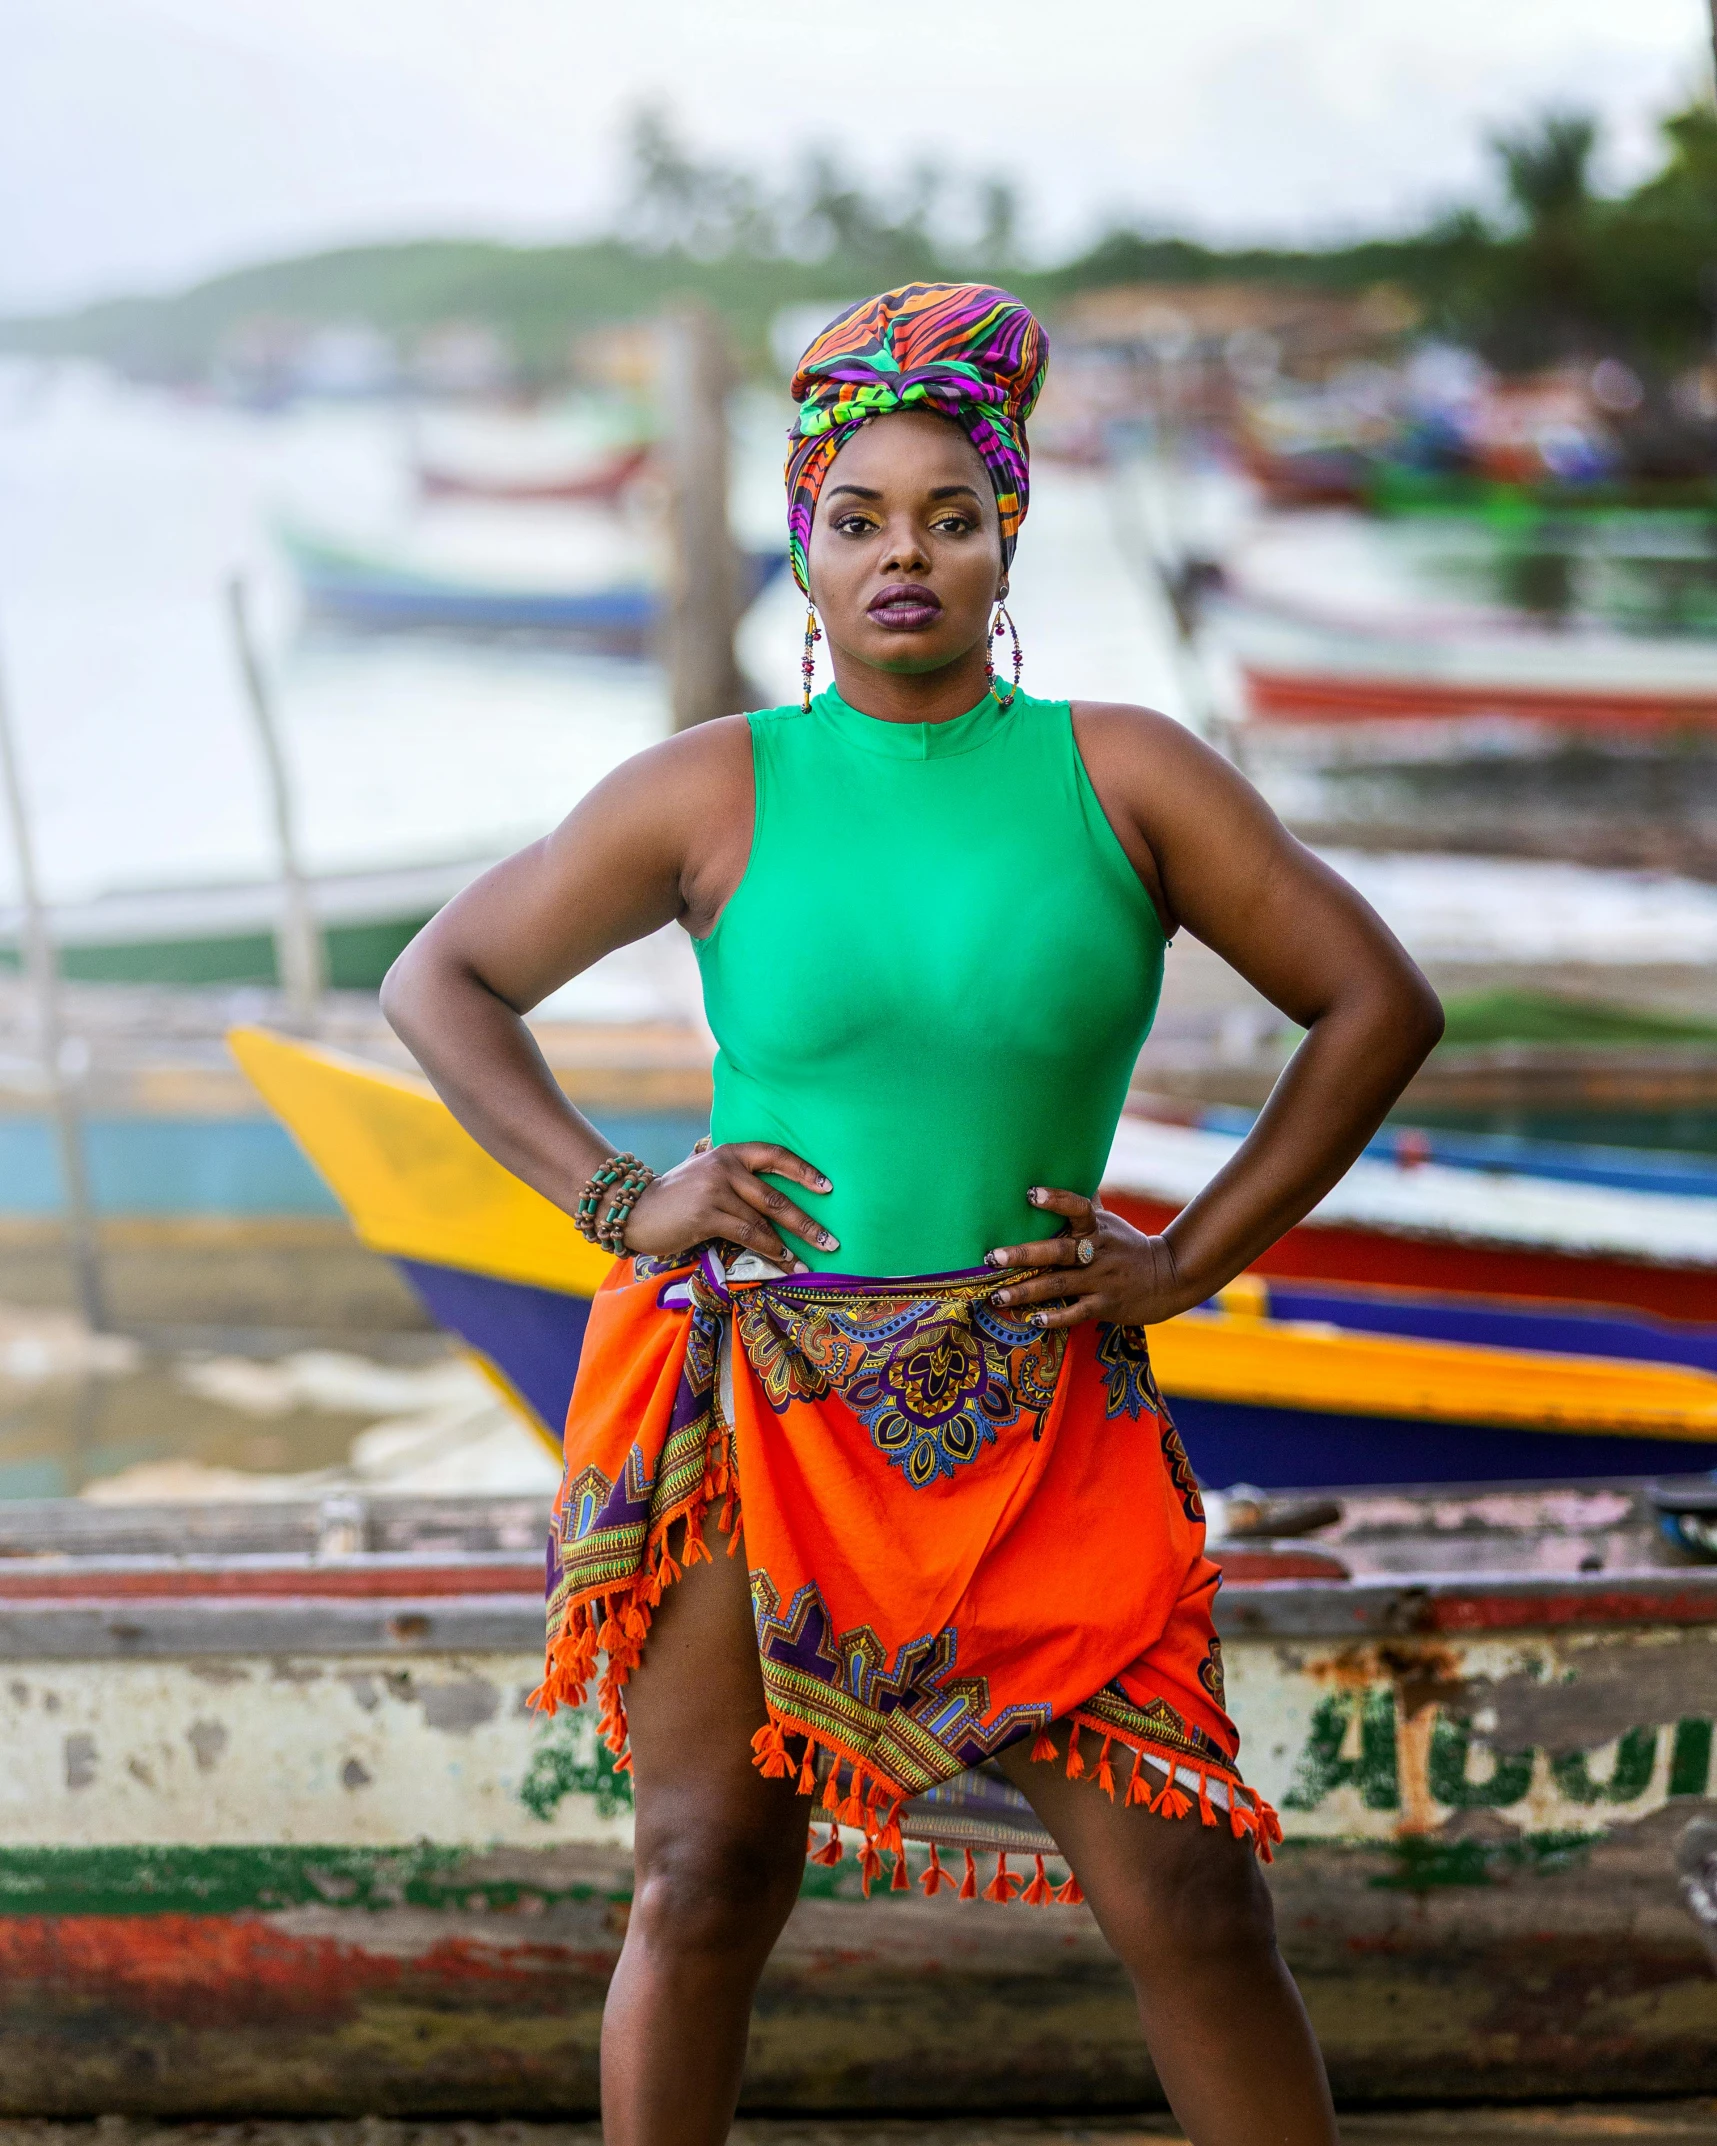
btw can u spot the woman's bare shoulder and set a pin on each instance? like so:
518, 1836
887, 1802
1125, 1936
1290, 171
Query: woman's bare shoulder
1123, 728
712, 757
683, 807
1160, 769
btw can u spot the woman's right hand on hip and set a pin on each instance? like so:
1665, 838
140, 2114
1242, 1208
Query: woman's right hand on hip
720, 1193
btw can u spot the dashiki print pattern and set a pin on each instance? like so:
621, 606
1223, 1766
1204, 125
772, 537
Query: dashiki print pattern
963, 350
961, 1531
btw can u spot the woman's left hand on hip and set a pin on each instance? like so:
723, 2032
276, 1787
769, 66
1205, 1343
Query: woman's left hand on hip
1099, 1267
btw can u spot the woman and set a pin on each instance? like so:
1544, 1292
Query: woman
882, 1340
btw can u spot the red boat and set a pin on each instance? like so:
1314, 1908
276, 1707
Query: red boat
1282, 695
600, 485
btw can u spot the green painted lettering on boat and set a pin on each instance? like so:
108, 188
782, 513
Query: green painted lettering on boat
1448, 1770
1341, 1750
1690, 1759
1630, 1777
571, 1759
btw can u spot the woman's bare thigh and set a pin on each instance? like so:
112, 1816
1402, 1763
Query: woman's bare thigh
693, 1705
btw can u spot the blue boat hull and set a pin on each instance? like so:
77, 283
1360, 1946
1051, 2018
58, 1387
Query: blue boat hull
1306, 1449
533, 1337
1572, 1330
623, 620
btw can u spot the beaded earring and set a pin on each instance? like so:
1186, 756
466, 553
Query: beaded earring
1002, 613
807, 668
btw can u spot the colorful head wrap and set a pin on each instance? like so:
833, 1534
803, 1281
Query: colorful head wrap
960, 350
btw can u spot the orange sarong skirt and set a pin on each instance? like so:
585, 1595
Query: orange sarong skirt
961, 1530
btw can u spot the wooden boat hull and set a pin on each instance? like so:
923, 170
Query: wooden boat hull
279, 1835
381, 596
1295, 696
226, 934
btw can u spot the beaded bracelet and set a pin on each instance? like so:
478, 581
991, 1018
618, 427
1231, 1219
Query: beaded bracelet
628, 1178
612, 1231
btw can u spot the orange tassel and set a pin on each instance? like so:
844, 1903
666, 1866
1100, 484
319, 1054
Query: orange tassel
1075, 1764
831, 1851
1241, 1819
1044, 1748
696, 1550
1070, 1895
667, 1572
969, 1884
902, 1880
769, 1747
732, 1540
870, 1866
609, 1637
1106, 1772
1039, 1893
623, 1764
1173, 1802
1204, 1806
808, 1772
1003, 1886
889, 1839
853, 1812
935, 1877
1138, 1788
831, 1789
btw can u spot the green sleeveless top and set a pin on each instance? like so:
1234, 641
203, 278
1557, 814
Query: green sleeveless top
934, 978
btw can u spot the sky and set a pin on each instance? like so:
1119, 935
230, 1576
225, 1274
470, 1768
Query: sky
146, 143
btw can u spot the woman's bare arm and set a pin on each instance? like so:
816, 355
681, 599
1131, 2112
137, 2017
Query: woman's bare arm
665, 837
1219, 862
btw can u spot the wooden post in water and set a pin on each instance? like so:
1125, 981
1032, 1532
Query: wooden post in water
41, 966
297, 942
704, 588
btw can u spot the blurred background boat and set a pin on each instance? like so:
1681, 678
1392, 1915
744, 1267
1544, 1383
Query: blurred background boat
601, 484
225, 935
357, 589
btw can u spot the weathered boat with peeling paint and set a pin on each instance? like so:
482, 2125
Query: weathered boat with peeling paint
279, 1833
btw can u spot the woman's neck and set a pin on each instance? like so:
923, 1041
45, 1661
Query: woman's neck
912, 697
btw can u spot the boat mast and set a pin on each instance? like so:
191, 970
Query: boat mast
704, 580
1713, 6
297, 942
42, 969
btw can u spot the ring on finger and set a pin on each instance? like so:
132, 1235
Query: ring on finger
1086, 1250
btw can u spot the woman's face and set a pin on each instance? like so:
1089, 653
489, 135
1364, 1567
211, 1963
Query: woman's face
906, 550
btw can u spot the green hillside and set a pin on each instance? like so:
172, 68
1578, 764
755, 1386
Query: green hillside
1560, 270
